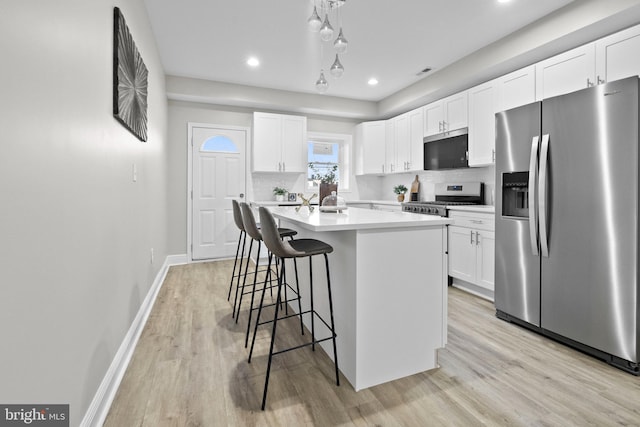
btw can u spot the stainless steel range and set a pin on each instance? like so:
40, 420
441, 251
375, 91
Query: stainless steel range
448, 194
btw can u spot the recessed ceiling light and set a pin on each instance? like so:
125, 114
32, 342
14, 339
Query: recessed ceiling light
253, 62
504, 1
373, 81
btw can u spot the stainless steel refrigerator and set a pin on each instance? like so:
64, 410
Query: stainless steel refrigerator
567, 219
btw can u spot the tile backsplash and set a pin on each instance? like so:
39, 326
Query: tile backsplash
263, 183
371, 187
428, 179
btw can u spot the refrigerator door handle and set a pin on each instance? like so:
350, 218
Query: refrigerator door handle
533, 216
542, 196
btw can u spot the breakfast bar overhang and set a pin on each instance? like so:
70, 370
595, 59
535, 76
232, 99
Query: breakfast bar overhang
388, 278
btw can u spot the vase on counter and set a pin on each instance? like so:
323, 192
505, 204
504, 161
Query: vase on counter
401, 197
279, 197
326, 189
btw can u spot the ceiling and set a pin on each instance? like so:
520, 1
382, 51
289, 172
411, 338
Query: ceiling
391, 41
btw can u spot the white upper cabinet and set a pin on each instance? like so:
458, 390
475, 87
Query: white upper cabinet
446, 114
517, 88
404, 147
279, 143
399, 163
608, 59
567, 72
416, 136
617, 56
294, 144
371, 146
390, 146
433, 117
482, 131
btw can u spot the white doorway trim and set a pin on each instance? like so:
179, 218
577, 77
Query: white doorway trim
190, 126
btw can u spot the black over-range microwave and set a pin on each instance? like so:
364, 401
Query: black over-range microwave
449, 150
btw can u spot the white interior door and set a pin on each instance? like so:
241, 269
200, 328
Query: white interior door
218, 176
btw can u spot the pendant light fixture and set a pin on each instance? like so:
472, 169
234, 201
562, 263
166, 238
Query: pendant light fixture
326, 31
336, 69
330, 9
341, 43
314, 21
322, 84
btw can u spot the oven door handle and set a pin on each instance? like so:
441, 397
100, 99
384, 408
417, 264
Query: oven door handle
533, 212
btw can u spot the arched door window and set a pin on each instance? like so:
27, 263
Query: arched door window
219, 144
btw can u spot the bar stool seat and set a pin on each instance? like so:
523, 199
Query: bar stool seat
307, 247
293, 249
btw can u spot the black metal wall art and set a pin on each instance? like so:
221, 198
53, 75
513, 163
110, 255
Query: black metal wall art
129, 80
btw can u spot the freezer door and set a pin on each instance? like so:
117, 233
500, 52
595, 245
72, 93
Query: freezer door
589, 279
517, 273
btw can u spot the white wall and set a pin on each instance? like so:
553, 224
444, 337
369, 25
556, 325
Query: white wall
260, 184
75, 230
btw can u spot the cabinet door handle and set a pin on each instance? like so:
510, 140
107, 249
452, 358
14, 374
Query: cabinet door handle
599, 80
589, 82
444, 126
284, 167
472, 237
477, 238
493, 156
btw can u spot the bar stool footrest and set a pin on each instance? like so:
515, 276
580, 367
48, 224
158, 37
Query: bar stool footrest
307, 344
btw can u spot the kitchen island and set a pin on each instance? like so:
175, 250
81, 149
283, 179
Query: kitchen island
388, 279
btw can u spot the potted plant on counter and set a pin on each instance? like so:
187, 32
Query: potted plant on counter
280, 193
400, 190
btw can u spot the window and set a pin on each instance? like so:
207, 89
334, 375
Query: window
328, 155
219, 143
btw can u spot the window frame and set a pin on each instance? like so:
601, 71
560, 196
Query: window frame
345, 156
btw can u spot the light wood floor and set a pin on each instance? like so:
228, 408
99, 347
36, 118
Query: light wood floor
190, 369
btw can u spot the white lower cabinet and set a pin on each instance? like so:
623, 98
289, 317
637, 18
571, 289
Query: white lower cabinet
472, 248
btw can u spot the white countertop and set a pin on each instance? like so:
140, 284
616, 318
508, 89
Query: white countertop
375, 202
276, 203
474, 208
355, 219
315, 201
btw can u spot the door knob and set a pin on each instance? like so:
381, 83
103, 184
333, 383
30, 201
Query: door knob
242, 195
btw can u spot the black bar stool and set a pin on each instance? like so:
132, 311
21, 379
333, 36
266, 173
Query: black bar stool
293, 249
240, 223
251, 228
242, 238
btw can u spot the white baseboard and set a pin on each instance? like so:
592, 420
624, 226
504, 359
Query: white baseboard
99, 408
473, 289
